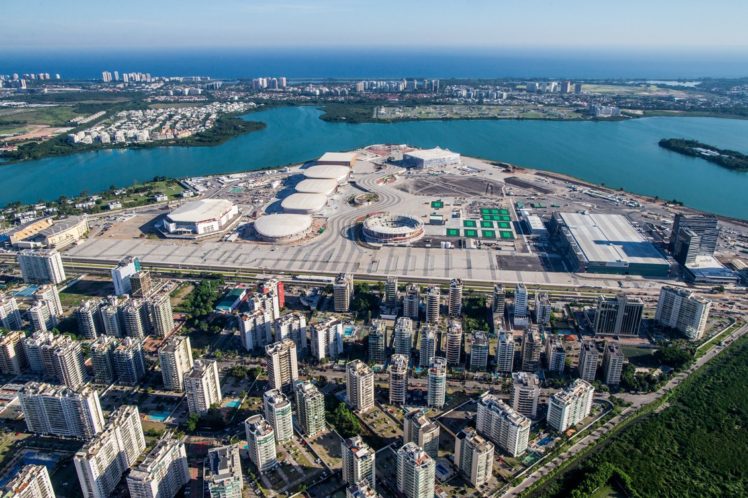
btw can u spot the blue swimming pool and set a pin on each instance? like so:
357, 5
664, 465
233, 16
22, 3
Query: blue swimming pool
235, 403
349, 330
158, 416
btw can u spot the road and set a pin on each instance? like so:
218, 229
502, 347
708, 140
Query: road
637, 402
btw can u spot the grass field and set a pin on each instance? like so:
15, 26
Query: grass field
17, 119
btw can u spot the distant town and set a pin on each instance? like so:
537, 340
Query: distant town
389, 321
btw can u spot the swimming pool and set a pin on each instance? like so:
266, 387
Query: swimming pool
234, 403
158, 416
349, 330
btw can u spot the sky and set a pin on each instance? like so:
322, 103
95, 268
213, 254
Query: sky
640, 25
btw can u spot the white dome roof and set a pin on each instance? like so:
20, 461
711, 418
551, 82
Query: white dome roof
277, 226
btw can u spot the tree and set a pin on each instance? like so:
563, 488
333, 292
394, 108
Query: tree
192, 422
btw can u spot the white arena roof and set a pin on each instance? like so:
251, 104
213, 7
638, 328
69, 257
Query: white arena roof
337, 173
314, 186
278, 226
200, 210
610, 238
307, 203
337, 158
435, 153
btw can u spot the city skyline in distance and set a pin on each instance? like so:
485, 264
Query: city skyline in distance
636, 26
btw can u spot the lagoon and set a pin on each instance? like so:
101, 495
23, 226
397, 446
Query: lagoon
618, 153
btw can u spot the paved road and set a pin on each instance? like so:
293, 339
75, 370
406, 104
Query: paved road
638, 402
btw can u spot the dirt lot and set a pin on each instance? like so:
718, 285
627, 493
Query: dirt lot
450, 185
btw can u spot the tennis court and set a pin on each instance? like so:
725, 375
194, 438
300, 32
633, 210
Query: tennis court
486, 224
505, 234
471, 233
469, 223
453, 232
488, 234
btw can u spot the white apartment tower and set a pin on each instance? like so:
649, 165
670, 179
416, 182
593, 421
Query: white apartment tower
520, 306
359, 385
415, 472
41, 266
532, 346
61, 411
10, 316
455, 298
555, 353
163, 473
377, 342
282, 366
474, 457
222, 472
261, 441
454, 342
398, 379
67, 362
478, 351
525, 393
358, 461
202, 386
417, 428
403, 341
162, 316
12, 355
412, 302
327, 339
32, 481
613, 359
277, 409
343, 292
589, 357
543, 309
569, 407
428, 346
175, 358
505, 353
501, 424
433, 299
390, 291
681, 310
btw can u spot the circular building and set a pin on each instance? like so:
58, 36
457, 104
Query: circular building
392, 229
304, 203
200, 217
283, 228
315, 186
338, 173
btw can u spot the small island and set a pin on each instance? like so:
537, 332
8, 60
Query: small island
729, 159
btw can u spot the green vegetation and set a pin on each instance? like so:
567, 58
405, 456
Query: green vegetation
476, 313
687, 450
729, 159
57, 116
339, 415
350, 113
365, 303
200, 303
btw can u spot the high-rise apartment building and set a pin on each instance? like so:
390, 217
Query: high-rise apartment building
618, 315
88, 317
111, 319
505, 352
520, 306
67, 362
377, 342
32, 348
427, 346
101, 463
532, 346
12, 354
437, 383
454, 342
277, 410
41, 266
613, 360
163, 472
569, 407
454, 302
417, 428
141, 284
101, 358
10, 316
121, 274
403, 341
500, 423
222, 472
342, 291
261, 441
359, 385
525, 393
129, 361
293, 326
358, 461
589, 358
543, 309
133, 315
361, 490
256, 329
433, 301
498, 305
478, 351
474, 457
398, 379
310, 408
412, 302
282, 366
415, 472
175, 358
161, 314
202, 386
32, 481
390, 291
327, 339
555, 353
681, 310
61, 411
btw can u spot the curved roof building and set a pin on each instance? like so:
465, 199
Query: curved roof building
337, 173
392, 229
317, 186
200, 217
304, 203
283, 228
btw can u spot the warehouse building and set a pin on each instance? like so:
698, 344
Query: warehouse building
606, 243
431, 158
347, 159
